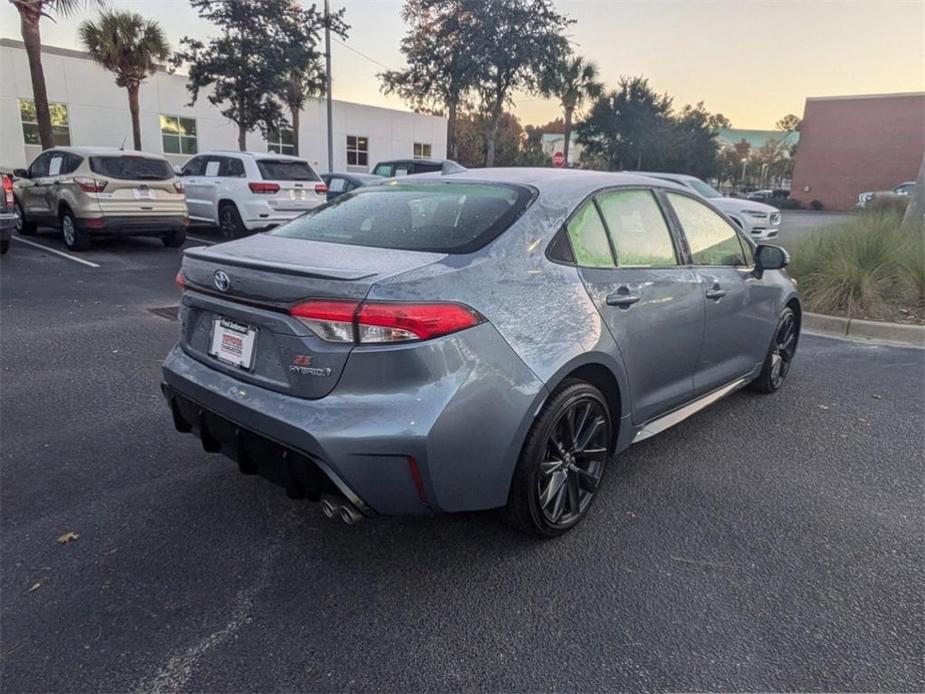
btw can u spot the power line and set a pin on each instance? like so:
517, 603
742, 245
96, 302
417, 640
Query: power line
359, 53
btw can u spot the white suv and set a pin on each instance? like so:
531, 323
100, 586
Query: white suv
249, 191
759, 221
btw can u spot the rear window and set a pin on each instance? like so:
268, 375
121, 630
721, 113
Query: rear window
131, 168
284, 170
439, 217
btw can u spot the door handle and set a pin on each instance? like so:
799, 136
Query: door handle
622, 298
716, 293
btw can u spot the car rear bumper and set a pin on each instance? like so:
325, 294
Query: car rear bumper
261, 215
444, 439
133, 226
7, 225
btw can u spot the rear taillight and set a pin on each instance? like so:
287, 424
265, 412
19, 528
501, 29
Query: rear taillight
181, 281
7, 190
178, 186
321, 188
90, 185
263, 188
378, 322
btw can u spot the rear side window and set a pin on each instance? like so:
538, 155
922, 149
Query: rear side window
589, 238
131, 168
286, 170
438, 217
711, 238
640, 235
231, 167
426, 168
337, 185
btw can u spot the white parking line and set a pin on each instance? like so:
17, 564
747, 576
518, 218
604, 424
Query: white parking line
56, 252
196, 238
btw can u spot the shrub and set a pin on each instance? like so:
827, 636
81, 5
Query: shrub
816, 204
865, 266
787, 204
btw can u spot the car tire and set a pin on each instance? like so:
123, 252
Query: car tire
25, 228
175, 238
4, 246
780, 354
74, 238
229, 221
562, 461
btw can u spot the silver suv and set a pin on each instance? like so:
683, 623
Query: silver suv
97, 191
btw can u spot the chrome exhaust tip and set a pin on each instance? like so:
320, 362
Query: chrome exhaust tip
350, 515
328, 508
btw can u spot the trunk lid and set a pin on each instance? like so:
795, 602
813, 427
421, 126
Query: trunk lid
296, 180
136, 186
266, 275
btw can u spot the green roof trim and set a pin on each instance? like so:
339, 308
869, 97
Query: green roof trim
756, 138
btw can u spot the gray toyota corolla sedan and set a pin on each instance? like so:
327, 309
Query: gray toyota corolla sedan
475, 340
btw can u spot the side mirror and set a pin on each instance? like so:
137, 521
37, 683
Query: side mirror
178, 170
20, 173
769, 257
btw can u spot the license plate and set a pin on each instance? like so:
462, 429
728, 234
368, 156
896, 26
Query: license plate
144, 194
233, 343
297, 195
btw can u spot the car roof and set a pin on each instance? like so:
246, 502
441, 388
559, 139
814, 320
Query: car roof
428, 162
666, 175
353, 176
262, 155
551, 183
106, 151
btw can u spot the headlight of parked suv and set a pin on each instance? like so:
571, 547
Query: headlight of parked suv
755, 213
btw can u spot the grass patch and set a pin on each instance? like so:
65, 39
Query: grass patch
867, 267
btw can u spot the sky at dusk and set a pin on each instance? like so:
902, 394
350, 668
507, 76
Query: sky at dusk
752, 60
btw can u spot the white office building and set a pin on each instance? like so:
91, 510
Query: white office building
89, 109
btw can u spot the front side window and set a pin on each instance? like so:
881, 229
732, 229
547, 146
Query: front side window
422, 150
39, 167
357, 150
438, 217
637, 228
337, 185
588, 237
178, 135
383, 170
712, 239
60, 128
281, 141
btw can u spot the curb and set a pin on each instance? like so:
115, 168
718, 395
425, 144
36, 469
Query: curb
865, 330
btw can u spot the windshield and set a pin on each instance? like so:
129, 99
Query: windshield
132, 168
703, 189
439, 217
286, 170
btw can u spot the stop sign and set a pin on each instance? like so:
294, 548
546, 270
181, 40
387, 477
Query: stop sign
558, 160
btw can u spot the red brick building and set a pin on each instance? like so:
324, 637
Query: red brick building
851, 144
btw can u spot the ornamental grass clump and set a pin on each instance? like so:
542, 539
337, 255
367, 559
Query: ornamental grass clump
868, 267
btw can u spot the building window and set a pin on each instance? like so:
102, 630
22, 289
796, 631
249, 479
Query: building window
422, 150
357, 150
281, 142
178, 135
30, 123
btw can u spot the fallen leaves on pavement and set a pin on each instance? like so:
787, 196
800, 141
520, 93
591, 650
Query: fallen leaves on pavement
68, 537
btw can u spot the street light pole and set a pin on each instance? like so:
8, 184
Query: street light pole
744, 164
327, 68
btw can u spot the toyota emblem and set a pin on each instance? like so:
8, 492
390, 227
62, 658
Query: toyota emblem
221, 280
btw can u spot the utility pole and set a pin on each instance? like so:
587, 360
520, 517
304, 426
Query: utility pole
327, 68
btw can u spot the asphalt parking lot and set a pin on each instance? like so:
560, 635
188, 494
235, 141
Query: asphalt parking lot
769, 543
799, 225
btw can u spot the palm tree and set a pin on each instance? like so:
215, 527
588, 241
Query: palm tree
130, 46
300, 85
30, 14
571, 81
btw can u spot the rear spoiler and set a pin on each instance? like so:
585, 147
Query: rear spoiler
213, 256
